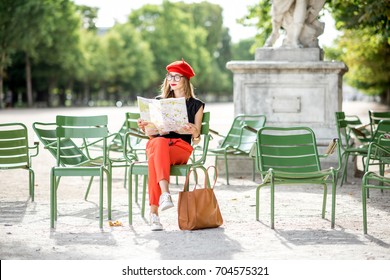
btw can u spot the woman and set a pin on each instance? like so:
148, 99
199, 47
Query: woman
172, 148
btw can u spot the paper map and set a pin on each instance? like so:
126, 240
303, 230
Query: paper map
165, 115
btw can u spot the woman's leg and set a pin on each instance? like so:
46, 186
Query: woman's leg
162, 153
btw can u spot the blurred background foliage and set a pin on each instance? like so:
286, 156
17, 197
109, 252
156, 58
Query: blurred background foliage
52, 54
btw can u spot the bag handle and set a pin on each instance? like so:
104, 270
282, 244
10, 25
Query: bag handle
206, 179
187, 181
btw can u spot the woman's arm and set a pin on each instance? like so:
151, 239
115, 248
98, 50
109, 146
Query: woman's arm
197, 126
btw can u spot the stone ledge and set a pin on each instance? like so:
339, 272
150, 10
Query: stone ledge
292, 55
258, 67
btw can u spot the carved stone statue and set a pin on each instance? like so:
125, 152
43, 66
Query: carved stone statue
299, 18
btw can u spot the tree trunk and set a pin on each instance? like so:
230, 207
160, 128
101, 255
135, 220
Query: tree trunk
1, 90
52, 101
73, 97
28, 82
2, 62
86, 93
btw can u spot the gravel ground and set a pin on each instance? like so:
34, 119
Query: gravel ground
300, 232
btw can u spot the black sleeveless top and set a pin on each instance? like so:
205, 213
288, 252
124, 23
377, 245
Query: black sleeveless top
193, 105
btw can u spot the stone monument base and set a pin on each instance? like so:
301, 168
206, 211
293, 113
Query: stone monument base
291, 87
285, 54
291, 90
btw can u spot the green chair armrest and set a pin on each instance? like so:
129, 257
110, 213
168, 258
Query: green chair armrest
249, 128
216, 133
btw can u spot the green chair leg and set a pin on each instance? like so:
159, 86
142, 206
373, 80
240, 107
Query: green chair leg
257, 203
130, 196
31, 180
272, 189
89, 188
333, 204
101, 199
226, 168
136, 189
124, 183
324, 201
143, 196
109, 193
52, 200
364, 202
253, 170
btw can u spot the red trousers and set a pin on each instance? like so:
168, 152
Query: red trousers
162, 153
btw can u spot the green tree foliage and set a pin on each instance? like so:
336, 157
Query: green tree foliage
364, 46
46, 32
172, 36
369, 66
208, 16
62, 54
358, 14
89, 16
259, 15
22, 28
71, 62
129, 60
243, 50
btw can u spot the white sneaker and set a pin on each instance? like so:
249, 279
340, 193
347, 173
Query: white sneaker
165, 201
155, 224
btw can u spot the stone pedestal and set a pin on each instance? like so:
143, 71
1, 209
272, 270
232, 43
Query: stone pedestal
292, 87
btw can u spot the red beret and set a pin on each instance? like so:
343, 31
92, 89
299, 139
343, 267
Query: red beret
181, 67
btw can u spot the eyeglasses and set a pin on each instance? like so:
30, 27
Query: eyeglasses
176, 78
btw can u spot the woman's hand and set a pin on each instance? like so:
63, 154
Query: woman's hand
141, 124
191, 128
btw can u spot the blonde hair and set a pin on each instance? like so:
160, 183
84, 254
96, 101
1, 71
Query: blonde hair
167, 92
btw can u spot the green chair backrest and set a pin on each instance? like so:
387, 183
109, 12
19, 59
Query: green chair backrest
131, 120
205, 130
347, 126
383, 127
291, 149
74, 127
205, 123
14, 152
132, 125
70, 153
380, 154
342, 129
240, 138
376, 117
116, 143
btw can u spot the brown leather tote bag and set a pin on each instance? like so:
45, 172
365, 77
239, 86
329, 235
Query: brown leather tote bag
199, 209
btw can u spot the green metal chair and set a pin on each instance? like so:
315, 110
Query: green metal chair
347, 131
239, 140
376, 117
46, 133
345, 126
135, 144
15, 152
290, 156
69, 131
383, 139
69, 156
116, 148
359, 132
141, 167
377, 154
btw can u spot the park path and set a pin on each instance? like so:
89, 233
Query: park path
300, 233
